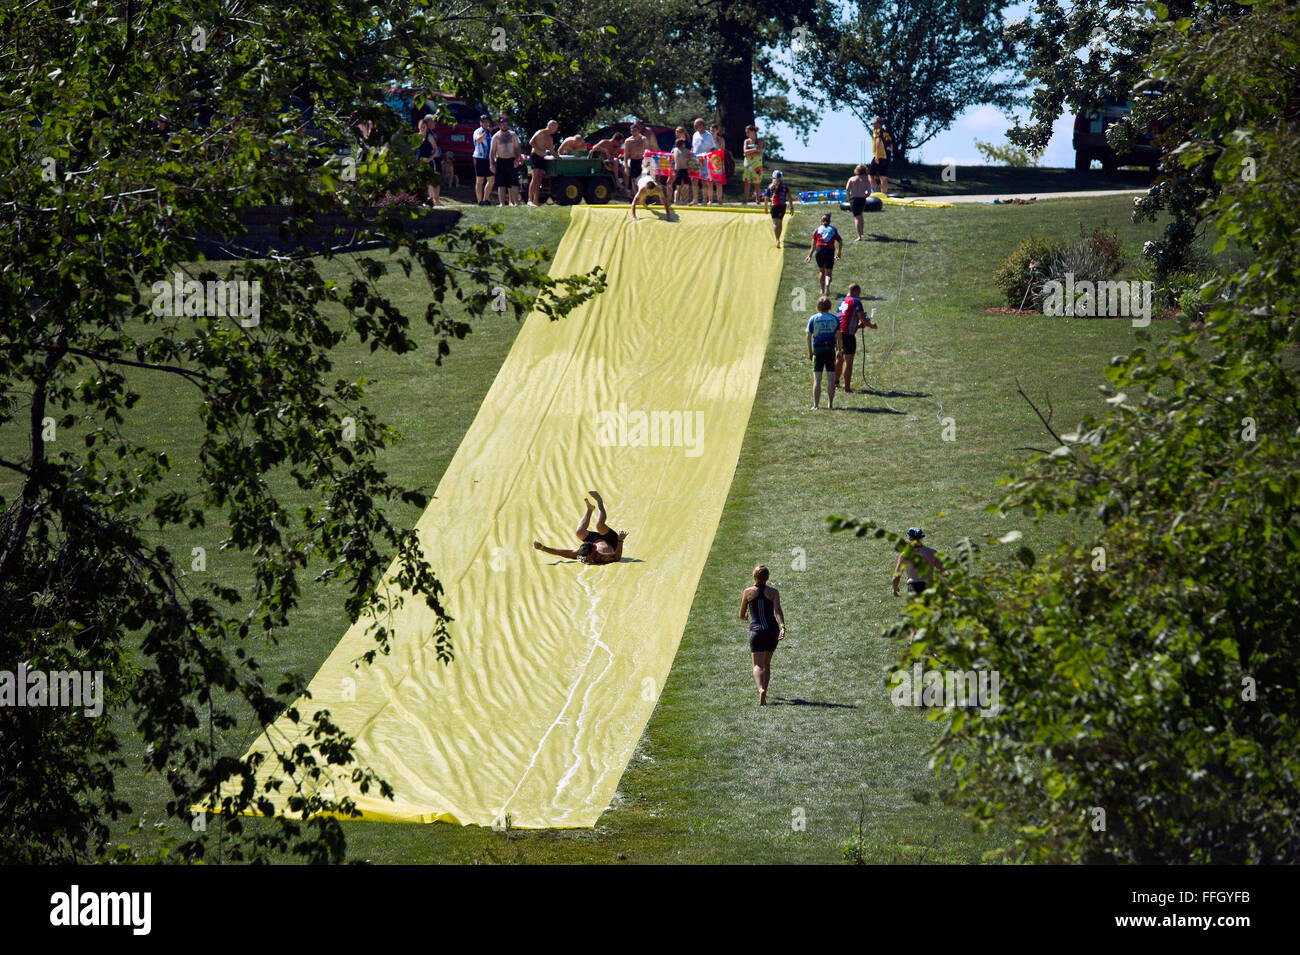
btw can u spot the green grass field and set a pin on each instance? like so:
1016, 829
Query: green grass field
715, 778
965, 180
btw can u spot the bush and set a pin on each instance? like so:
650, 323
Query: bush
1105, 246
398, 199
1012, 275
1189, 303
1082, 262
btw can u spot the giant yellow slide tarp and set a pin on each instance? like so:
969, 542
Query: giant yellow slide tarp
643, 395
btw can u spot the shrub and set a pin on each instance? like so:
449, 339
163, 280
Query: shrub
1083, 261
1104, 243
1177, 286
1012, 275
400, 199
1189, 303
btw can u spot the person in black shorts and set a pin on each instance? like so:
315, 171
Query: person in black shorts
852, 317
482, 165
882, 151
920, 569
775, 198
761, 606
857, 189
827, 246
602, 546
824, 346
503, 154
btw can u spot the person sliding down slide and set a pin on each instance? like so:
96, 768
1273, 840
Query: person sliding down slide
601, 547
646, 187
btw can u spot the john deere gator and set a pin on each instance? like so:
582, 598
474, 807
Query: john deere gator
573, 178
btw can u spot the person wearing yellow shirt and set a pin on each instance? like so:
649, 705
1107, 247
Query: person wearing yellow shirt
882, 151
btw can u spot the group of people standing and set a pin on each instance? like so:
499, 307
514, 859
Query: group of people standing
689, 150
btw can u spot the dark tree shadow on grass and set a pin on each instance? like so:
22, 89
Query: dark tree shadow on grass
797, 701
894, 394
861, 410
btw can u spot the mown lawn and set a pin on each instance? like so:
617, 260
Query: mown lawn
716, 779
929, 180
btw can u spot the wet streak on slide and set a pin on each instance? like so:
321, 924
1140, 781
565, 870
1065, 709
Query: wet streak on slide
643, 395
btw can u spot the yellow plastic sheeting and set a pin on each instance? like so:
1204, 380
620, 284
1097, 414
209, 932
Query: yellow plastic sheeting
920, 203
558, 665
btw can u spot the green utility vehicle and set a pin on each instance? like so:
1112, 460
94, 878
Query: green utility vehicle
571, 178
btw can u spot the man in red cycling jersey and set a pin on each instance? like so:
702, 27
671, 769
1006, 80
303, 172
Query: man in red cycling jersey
852, 317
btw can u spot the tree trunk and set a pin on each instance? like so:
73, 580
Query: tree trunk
733, 74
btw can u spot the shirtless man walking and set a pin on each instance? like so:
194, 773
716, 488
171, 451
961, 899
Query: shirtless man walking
542, 145
502, 156
918, 578
603, 546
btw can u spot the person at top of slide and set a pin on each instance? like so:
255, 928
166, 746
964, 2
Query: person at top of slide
761, 606
827, 246
857, 189
634, 148
852, 317
753, 172
775, 198
648, 186
603, 546
918, 578
701, 143
719, 144
542, 145
682, 169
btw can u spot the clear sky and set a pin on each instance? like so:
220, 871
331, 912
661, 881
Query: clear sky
841, 137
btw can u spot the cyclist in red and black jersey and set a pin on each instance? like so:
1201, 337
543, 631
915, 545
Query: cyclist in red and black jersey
775, 198
852, 317
827, 246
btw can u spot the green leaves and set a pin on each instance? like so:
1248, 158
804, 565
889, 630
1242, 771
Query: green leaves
1153, 655
152, 152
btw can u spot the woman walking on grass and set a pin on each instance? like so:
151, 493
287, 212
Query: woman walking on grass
430, 153
761, 606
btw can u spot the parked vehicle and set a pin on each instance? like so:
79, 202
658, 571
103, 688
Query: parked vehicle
570, 179
1090, 139
456, 137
